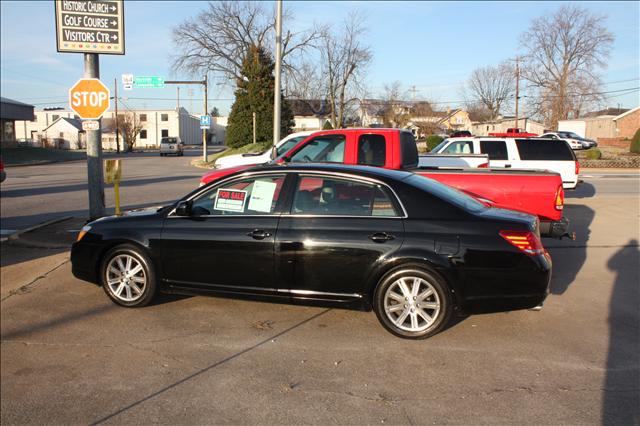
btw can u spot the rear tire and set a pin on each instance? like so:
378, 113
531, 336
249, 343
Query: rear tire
127, 276
413, 302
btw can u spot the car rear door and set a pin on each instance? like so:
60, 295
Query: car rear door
498, 152
338, 230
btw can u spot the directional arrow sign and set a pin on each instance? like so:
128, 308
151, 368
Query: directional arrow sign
95, 26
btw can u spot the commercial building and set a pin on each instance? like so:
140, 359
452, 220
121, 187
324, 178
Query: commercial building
10, 112
501, 125
605, 126
154, 124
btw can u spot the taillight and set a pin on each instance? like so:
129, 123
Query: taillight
483, 166
559, 204
577, 167
526, 241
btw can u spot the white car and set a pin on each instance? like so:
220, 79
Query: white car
262, 157
574, 140
520, 153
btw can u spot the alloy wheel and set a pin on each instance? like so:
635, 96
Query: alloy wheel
412, 304
126, 277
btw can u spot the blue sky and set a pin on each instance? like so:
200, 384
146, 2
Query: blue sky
432, 45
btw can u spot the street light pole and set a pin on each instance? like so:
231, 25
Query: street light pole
204, 131
276, 91
94, 149
115, 98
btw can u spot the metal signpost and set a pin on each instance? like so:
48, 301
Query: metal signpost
92, 28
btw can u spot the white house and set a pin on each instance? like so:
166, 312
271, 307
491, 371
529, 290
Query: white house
501, 125
64, 133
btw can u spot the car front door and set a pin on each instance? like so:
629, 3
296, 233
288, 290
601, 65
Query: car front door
226, 242
337, 231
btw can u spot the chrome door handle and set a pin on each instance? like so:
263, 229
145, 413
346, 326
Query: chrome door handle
258, 234
381, 237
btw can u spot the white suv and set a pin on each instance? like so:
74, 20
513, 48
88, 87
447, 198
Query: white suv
520, 153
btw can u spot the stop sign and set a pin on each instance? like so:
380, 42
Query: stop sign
89, 98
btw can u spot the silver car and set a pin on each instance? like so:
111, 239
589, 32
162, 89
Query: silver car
171, 145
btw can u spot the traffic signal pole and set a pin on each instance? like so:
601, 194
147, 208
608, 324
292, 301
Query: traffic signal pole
94, 149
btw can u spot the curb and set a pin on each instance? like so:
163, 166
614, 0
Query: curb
43, 162
16, 235
196, 163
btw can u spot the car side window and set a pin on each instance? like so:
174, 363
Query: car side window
248, 196
316, 195
372, 150
497, 150
323, 149
460, 147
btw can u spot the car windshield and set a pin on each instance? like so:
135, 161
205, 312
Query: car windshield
569, 135
169, 140
447, 193
439, 147
285, 147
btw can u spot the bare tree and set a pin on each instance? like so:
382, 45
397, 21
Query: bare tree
218, 38
129, 126
492, 87
345, 60
478, 111
562, 50
395, 111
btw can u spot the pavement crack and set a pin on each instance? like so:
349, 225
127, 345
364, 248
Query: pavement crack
28, 287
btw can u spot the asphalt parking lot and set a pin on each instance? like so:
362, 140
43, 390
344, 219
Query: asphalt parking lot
68, 355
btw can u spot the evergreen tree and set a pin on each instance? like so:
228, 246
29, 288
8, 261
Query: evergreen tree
254, 93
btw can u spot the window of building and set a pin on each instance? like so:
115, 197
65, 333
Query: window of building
143, 134
164, 117
61, 135
318, 195
54, 117
143, 117
165, 133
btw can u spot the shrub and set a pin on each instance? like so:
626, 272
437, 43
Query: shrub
635, 143
433, 141
593, 154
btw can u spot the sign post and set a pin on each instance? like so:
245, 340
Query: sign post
91, 27
113, 173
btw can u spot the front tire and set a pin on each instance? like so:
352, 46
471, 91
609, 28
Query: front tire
413, 302
127, 276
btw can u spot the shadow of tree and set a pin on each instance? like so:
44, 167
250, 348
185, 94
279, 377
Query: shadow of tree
621, 403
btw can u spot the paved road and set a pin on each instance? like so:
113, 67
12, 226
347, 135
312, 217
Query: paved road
34, 194
68, 355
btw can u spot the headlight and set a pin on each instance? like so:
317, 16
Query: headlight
83, 232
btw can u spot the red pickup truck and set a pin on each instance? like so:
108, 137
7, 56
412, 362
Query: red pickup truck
536, 192
514, 132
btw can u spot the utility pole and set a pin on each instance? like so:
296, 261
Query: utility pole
178, 96
517, 87
413, 93
115, 98
94, 149
276, 91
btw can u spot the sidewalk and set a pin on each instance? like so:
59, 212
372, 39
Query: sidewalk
34, 254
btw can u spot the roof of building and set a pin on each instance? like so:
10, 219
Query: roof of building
11, 101
631, 111
15, 110
609, 111
73, 121
309, 107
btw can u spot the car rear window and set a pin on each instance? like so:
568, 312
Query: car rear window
544, 149
447, 193
497, 150
408, 150
169, 140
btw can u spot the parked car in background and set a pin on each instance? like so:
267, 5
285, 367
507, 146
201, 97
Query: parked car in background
521, 153
413, 250
3, 174
171, 145
460, 133
261, 157
574, 140
536, 192
514, 132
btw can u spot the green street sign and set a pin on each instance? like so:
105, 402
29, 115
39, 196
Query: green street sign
153, 82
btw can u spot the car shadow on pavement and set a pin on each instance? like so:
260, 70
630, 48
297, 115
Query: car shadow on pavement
584, 190
621, 402
573, 254
11, 193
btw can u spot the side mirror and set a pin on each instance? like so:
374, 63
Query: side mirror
183, 208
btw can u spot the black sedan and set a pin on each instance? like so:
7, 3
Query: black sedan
413, 250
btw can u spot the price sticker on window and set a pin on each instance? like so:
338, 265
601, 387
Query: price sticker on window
230, 200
